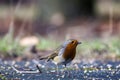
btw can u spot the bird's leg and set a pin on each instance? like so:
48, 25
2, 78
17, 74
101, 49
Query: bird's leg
65, 65
45, 66
57, 70
66, 70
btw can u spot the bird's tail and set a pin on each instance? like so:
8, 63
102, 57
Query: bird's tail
45, 58
42, 58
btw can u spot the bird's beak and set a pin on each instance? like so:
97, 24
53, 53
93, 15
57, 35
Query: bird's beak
79, 42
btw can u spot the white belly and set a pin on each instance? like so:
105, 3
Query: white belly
58, 60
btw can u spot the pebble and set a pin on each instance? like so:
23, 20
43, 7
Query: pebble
83, 71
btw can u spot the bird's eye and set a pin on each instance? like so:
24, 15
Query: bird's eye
72, 42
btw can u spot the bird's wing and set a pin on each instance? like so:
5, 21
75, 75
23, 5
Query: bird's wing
51, 56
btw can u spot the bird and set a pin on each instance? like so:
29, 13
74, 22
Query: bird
63, 54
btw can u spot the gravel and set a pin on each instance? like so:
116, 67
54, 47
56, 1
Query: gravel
27, 70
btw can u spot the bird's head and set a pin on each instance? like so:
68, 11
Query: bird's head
71, 43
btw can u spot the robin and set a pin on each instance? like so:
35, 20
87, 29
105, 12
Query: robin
64, 54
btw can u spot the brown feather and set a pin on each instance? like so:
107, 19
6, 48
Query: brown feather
70, 51
51, 56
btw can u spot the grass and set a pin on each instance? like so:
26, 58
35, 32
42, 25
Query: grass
2, 77
90, 46
10, 45
115, 46
47, 44
112, 46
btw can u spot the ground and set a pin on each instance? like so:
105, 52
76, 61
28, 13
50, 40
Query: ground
98, 70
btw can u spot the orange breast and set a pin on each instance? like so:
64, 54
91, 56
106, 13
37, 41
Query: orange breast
69, 53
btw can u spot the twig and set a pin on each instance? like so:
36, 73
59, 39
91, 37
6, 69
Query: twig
18, 71
39, 68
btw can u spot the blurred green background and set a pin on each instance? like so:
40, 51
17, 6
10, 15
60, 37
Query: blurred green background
40, 26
